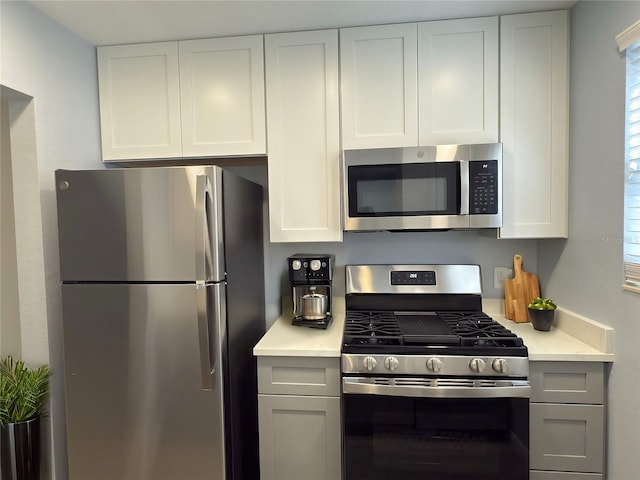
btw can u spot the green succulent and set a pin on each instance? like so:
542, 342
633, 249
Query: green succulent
540, 303
23, 391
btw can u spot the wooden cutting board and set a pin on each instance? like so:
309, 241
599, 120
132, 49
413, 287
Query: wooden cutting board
519, 291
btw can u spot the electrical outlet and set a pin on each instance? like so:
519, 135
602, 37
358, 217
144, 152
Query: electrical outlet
500, 274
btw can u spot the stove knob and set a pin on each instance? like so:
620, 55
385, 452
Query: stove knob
391, 363
476, 365
434, 364
500, 365
369, 363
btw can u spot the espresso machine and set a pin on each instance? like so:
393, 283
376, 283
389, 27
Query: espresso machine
310, 276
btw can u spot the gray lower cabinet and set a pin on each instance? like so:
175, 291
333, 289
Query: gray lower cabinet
299, 418
567, 421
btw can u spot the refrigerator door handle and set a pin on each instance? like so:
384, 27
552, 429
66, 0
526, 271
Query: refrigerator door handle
207, 365
204, 265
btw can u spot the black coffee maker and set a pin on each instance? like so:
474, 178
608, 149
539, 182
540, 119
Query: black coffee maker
310, 276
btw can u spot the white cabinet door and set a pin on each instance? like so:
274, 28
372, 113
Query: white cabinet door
566, 437
534, 124
303, 136
139, 101
299, 437
378, 67
458, 81
222, 93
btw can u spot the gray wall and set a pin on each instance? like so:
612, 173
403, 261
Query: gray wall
482, 248
584, 273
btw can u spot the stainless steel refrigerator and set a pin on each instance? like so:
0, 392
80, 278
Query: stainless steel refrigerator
162, 283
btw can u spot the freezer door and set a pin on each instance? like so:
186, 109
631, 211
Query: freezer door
142, 403
140, 224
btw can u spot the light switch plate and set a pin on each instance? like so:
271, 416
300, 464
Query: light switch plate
500, 274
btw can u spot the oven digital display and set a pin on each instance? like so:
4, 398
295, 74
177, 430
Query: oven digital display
427, 277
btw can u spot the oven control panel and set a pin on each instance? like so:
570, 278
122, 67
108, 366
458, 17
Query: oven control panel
402, 277
456, 365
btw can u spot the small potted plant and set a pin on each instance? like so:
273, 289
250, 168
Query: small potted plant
23, 394
541, 313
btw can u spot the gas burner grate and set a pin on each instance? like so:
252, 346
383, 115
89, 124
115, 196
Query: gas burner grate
372, 328
467, 329
477, 328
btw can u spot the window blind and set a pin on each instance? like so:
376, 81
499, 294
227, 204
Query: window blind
632, 170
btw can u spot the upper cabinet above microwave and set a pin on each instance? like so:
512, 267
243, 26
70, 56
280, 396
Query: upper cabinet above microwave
182, 99
416, 84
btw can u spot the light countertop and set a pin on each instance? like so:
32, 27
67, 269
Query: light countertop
573, 337
284, 339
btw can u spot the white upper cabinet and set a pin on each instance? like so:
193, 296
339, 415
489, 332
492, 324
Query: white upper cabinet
458, 81
139, 101
420, 84
182, 99
379, 86
534, 120
222, 93
303, 136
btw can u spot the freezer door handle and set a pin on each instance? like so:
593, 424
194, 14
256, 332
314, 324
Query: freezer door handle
207, 364
204, 258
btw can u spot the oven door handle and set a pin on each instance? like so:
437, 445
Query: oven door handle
436, 388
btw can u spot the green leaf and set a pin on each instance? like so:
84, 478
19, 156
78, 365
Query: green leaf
23, 391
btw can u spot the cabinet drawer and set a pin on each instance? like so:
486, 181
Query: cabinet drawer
567, 437
299, 375
538, 475
567, 382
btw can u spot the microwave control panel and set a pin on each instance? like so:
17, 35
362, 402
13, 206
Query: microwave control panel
483, 187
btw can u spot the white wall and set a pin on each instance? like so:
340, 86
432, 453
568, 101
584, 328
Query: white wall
42, 60
584, 273
9, 305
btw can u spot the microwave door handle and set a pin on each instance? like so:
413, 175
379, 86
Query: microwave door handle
464, 188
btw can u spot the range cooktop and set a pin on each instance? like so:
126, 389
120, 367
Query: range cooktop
410, 332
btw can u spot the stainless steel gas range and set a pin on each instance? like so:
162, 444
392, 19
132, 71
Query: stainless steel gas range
433, 388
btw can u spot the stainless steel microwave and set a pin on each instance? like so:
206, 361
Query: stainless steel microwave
423, 188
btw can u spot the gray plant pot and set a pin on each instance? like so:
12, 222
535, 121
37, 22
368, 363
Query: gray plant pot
541, 319
20, 450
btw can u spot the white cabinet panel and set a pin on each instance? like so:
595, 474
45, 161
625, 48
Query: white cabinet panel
301, 376
567, 382
534, 124
567, 437
567, 420
299, 437
182, 99
303, 136
379, 86
139, 101
299, 418
222, 92
458, 81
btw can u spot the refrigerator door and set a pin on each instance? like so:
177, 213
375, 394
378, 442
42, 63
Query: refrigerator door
141, 401
141, 225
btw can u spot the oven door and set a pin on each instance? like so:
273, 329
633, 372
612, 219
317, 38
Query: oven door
405, 429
